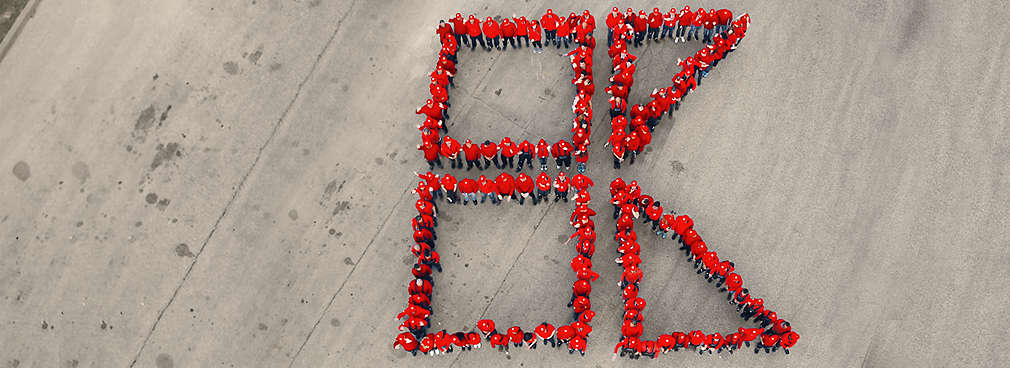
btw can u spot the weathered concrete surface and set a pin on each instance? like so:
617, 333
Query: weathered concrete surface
851, 157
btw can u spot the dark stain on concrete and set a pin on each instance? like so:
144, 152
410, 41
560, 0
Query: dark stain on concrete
165, 153
22, 171
341, 206
73, 363
164, 361
314, 3
255, 56
335, 322
677, 166
163, 203
81, 171
497, 92
182, 250
275, 67
293, 215
164, 115
151, 198
144, 122
348, 261
262, 326
230, 67
562, 238
379, 161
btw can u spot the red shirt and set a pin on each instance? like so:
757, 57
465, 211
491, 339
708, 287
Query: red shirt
471, 151
506, 184
508, 29
524, 183
561, 183
640, 22
450, 147
686, 18
508, 149
430, 151
522, 26
724, 16
655, 19
544, 182
473, 27
468, 185
491, 29
489, 150
613, 18
631, 330
550, 21
448, 182
535, 31
543, 150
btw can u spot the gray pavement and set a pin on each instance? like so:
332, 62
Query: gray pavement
200, 183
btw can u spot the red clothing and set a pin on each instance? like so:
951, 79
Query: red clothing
473, 27
686, 18
506, 184
655, 19
543, 150
450, 148
471, 151
458, 24
468, 185
632, 329
431, 151
535, 32
561, 182
508, 149
543, 182
486, 186
448, 182
724, 16
522, 26
550, 20
489, 150
654, 212
613, 18
566, 332
524, 183
490, 28
640, 22
508, 29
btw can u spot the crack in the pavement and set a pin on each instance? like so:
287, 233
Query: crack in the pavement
349, 274
241, 185
513, 266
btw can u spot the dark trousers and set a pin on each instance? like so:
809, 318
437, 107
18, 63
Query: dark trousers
509, 159
560, 195
565, 161
432, 163
519, 40
461, 39
666, 30
471, 163
537, 44
507, 41
681, 30
496, 42
475, 39
639, 36
563, 39
610, 36
551, 36
456, 162
653, 33
523, 157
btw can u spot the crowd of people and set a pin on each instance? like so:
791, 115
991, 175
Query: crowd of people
555, 30
721, 35
416, 317
630, 204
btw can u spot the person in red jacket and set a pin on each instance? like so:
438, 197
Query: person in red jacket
489, 151
525, 154
431, 153
561, 187
433, 110
699, 20
487, 189
564, 33
655, 22
543, 187
473, 29
459, 29
468, 190
508, 33
522, 30
535, 36
506, 186
451, 150
541, 151
669, 24
684, 21
711, 19
524, 185
640, 23
613, 18
723, 18
407, 341
449, 184
550, 23
562, 152
509, 150
492, 32
633, 145
471, 153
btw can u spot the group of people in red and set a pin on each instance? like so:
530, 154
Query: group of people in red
577, 28
628, 138
575, 334
631, 204
504, 187
414, 336
492, 33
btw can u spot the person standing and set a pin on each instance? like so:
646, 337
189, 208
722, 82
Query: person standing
543, 187
492, 32
562, 152
669, 24
473, 29
472, 153
431, 153
459, 29
641, 26
522, 30
655, 20
550, 23
487, 188
535, 36
490, 153
525, 154
468, 190
449, 184
542, 152
508, 33
451, 149
524, 185
506, 187
508, 152
561, 187
613, 18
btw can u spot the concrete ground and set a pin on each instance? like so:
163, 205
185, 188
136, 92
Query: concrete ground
206, 183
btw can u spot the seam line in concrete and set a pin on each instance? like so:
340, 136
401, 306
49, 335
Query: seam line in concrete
349, 274
507, 273
240, 186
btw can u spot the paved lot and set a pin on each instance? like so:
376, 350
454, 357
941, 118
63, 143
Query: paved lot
204, 183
